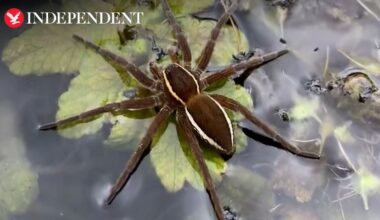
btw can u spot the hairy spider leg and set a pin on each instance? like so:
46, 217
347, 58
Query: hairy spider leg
134, 104
185, 126
139, 153
181, 39
204, 58
155, 70
172, 51
236, 106
234, 68
139, 75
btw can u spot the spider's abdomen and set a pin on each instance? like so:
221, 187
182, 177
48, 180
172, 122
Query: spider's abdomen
180, 83
211, 122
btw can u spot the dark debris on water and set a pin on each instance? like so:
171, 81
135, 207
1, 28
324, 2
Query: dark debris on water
284, 115
282, 3
315, 86
229, 214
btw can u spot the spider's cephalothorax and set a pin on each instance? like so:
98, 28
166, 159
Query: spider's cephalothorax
179, 89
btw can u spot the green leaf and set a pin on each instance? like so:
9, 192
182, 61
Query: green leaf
97, 84
174, 163
343, 134
18, 187
19, 182
46, 49
181, 7
304, 108
230, 41
235, 92
129, 129
368, 184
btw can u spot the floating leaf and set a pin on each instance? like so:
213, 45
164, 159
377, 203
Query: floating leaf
230, 42
46, 49
97, 84
175, 165
181, 7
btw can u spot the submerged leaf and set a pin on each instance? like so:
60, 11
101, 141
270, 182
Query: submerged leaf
304, 108
18, 186
19, 183
343, 134
246, 193
368, 184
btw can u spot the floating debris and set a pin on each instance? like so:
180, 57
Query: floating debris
282, 3
229, 214
160, 53
245, 55
355, 83
315, 86
284, 115
283, 41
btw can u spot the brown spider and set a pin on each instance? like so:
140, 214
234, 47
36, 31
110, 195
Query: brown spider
180, 91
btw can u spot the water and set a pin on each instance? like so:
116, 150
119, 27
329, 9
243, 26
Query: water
73, 175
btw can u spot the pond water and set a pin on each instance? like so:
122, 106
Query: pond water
261, 182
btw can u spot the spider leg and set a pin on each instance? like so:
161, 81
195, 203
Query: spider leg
143, 103
181, 39
206, 54
130, 67
172, 51
236, 106
234, 68
139, 153
187, 129
155, 70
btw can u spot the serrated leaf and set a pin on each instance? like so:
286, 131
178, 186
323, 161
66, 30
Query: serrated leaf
129, 129
46, 49
174, 163
97, 84
230, 41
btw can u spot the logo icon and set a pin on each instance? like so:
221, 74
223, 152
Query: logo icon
14, 18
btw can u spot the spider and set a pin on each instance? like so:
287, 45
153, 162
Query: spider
180, 90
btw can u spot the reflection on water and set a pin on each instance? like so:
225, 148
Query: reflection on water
262, 182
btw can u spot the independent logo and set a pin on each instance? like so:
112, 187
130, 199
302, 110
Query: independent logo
14, 18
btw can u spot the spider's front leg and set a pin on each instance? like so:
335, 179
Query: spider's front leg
143, 103
139, 75
187, 129
236, 106
204, 58
139, 153
181, 39
234, 68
